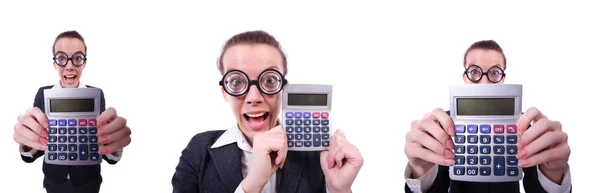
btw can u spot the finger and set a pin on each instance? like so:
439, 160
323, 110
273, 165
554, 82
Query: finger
39, 116
115, 136
433, 129
539, 128
546, 141
30, 123
26, 133
340, 134
339, 157
416, 151
111, 148
113, 126
439, 115
281, 155
35, 144
531, 115
561, 152
107, 116
424, 139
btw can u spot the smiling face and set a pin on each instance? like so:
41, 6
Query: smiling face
254, 111
69, 74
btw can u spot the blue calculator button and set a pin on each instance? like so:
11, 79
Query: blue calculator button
62, 156
82, 130
472, 139
316, 129
83, 151
459, 149
72, 156
459, 139
72, 147
62, 139
298, 114
306, 121
298, 121
93, 139
94, 156
62, 147
298, 143
307, 129
72, 130
52, 139
512, 160
52, 122
62, 130
325, 143
485, 128
472, 128
511, 139
52, 130
62, 122
512, 171
51, 147
472, 149
290, 136
52, 156
498, 149
486, 139
485, 160
498, 139
307, 136
307, 144
83, 139
317, 140
289, 121
289, 115
325, 136
288, 129
316, 122
459, 170
511, 149
307, 115
498, 166
72, 122
485, 170
298, 136
459, 128
471, 171
485, 149
298, 129
72, 139
472, 160
93, 130
325, 129
93, 147
325, 122
290, 144
459, 160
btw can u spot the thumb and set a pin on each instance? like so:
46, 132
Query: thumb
323, 158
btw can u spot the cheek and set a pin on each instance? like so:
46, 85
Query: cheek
235, 103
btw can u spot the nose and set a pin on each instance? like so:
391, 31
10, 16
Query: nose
254, 96
69, 66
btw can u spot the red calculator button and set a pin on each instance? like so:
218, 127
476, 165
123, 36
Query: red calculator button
499, 129
325, 115
82, 122
511, 129
316, 115
92, 122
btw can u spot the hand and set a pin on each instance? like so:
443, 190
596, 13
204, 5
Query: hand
427, 143
544, 144
113, 131
268, 153
31, 129
341, 163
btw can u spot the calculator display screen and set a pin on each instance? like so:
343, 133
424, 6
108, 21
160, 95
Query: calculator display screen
71, 105
307, 99
485, 106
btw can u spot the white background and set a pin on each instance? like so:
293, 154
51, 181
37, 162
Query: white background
389, 64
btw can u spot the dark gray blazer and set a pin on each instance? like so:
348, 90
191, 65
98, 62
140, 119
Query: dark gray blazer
202, 169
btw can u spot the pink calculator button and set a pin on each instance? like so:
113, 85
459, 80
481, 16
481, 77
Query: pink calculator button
316, 115
499, 129
325, 115
92, 122
82, 122
511, 129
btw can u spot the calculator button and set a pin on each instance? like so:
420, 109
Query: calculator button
498, 139
317, 140
298, 143
486, 139
316, 122
459, 128
83, 151
93, 139
62, 122
62, 139
72, 147
72, 139
485, 128
459, 160
72, 130
511, 139
486, 149
62, 156
498, 149
325, 115
72, 122
82, 130
511, 149
512, 160
485, 160
307, 115
298, 129
471, 171
52, 130
316, 129
62, 130
298, 122
325, 143
459, 149
316, 115
511, 129
52, 156
52, 139
298, 115
93, 130
51, 147
307, 136
460, 139
485, 171
326, 136
290, 144
306, 121
298, 137
325, 122
82, 122
459, 170
289, 115
52, 122
72, 156
472, 139
499, 129
307, 144
83, 139
498, 166
325, 129
62, 147
93, 147
512, 171
472, 149
472, 128
94, 156
290, 136
288, 129
289, 122
92, 122
472, 160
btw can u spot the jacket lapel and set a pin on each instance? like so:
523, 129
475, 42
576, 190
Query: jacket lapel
291, 172
228, 163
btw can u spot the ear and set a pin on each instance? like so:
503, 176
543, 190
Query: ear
465, 79
224, 94
55, 66
503, 79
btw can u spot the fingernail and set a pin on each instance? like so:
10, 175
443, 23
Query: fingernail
103, 139
449, 161
43, 147
522, 154
449, 144
523, 163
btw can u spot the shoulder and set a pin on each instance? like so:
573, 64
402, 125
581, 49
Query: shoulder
205, 139
41, 89
89, 86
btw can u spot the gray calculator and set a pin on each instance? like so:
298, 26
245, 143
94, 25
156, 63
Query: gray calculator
306, 111
485, 145
72, 114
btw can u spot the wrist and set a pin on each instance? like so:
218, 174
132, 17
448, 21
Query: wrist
250, 185
418, 170
554, 175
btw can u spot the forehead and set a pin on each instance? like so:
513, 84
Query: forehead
252, 58
69, 45
485, 58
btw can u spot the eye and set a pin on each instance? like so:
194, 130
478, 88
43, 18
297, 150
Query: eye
271, 80
236, 82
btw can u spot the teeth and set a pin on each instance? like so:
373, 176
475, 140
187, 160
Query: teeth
72, 76
255, 115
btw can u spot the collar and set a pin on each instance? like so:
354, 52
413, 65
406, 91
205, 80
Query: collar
233, 135
81, 85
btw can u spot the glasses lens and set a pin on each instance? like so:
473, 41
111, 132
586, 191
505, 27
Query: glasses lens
236, 83
495, 74
474, 73
78, 59
270, 82
61, 58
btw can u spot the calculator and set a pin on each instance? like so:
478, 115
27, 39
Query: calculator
306, 110
72, 135
485, 120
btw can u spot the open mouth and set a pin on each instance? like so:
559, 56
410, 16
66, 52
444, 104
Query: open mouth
70, 78
251, 117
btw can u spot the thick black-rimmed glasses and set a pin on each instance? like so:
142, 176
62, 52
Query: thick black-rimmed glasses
237, 83
474, 73
61, 59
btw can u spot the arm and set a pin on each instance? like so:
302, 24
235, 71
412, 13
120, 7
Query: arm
112, 158
29, 154
185, 179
